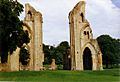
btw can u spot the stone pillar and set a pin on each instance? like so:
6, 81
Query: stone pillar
38, 49
94, 65
100, 66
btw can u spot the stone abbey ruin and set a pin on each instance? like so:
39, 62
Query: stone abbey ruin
84, 51
33, 24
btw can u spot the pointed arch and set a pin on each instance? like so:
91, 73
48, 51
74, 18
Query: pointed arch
87, 59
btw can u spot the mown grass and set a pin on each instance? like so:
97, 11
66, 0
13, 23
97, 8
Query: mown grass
62, 76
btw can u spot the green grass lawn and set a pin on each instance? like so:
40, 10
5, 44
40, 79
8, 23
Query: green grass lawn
62, 76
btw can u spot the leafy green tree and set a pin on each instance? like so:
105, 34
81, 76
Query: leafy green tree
110, 49
61, 50
11, 30
24, 56
55, 52
47, 57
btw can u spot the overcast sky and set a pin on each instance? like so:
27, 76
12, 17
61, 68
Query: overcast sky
103, 15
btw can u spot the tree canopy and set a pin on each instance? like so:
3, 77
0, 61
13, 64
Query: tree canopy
24, 56
110, 48
12, 34
55, 52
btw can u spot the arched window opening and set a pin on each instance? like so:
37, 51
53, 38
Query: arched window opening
82, 16
29, 14
88, 34
85, 33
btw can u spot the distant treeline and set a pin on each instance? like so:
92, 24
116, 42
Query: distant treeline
109, 46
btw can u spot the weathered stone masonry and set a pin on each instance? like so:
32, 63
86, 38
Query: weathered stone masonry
85, 53
33, 24
84, 50
33, 21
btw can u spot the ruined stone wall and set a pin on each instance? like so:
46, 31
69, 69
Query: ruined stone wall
75, 26
33, 24
33, 19
13, 60
81, 37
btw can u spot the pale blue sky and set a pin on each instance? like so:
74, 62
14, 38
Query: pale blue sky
103, 15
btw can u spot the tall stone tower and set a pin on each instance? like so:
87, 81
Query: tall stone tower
84, 50
33, 22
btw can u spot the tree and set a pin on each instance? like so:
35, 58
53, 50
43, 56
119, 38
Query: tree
49, 52
56, 53
61, 51
110, 49
11, 30
24, 56
47, 57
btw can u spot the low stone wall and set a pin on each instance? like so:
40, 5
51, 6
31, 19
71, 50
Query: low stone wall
4, 67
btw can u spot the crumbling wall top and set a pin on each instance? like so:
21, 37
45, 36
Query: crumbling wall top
77, 7
30, 13
78, 11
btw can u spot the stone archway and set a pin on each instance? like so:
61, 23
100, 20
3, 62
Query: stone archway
89, 53
87, 59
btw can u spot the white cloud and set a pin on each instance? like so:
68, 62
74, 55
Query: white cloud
102, 15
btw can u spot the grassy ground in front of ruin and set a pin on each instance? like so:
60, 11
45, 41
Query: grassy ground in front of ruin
109, 75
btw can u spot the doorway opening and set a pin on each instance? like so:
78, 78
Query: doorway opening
87, 59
